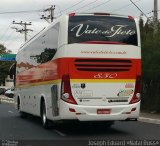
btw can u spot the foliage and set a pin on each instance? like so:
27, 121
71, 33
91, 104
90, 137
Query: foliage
150, 67
4, 66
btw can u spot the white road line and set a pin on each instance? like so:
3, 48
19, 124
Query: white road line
60, 133
11, 112
149, 120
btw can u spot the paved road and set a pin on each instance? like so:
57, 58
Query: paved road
15, 128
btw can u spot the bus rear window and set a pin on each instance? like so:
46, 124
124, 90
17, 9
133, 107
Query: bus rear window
115, 30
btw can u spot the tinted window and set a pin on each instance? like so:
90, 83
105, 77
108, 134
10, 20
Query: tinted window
102, 28
41, 50
46, 46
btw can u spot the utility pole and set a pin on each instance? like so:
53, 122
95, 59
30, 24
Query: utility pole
24, 29
50, 17
155, 11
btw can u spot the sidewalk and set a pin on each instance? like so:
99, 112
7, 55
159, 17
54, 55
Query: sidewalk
149, 118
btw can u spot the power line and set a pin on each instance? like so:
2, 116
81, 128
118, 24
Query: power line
86, 5
16, 12
57, 6
139, 9
72, 6
145, 14
125, 6
5, 32
98, 5
149, 13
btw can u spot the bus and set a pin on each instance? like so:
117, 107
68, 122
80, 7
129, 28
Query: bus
83, 67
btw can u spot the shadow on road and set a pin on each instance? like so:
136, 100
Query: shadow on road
77, 129
89, 129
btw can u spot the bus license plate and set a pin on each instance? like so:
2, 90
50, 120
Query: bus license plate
103, 111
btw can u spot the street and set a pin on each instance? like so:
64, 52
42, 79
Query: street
12, 127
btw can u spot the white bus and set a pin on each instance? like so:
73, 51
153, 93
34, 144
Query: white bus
84, 67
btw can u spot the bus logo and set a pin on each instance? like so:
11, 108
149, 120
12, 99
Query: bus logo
105, 76
83, 85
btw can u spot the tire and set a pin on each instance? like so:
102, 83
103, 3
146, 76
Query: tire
45, 122
22, 114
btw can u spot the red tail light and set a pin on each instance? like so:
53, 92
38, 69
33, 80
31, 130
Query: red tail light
66, 94
130, 17
137, 95
72, 14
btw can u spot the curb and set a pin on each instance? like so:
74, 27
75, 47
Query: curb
149, 120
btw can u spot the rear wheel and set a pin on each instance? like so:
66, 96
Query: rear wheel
22, 114
44, 119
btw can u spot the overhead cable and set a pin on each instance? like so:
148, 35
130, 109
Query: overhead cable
72, 6
5, 32
98, 5
16, 12
139, 9
86, 5
125, 6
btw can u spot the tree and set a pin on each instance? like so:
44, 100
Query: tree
150, 67
3, 49
4, 66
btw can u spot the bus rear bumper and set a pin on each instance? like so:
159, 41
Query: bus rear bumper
89, 113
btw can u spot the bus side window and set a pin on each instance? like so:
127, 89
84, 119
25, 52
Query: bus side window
46, 55
50, 43
46, 45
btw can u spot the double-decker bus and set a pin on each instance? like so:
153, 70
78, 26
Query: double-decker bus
84, 67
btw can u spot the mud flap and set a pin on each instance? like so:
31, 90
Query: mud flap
54, 99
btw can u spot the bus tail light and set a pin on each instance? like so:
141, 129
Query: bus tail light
66, 94
137, 94
130, 17
72, 14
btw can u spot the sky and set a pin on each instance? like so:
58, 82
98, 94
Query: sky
12, 40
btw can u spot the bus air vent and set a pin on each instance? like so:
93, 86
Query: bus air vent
103, 65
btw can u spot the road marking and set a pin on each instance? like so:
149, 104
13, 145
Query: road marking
60, 133
11, 112
149, 120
